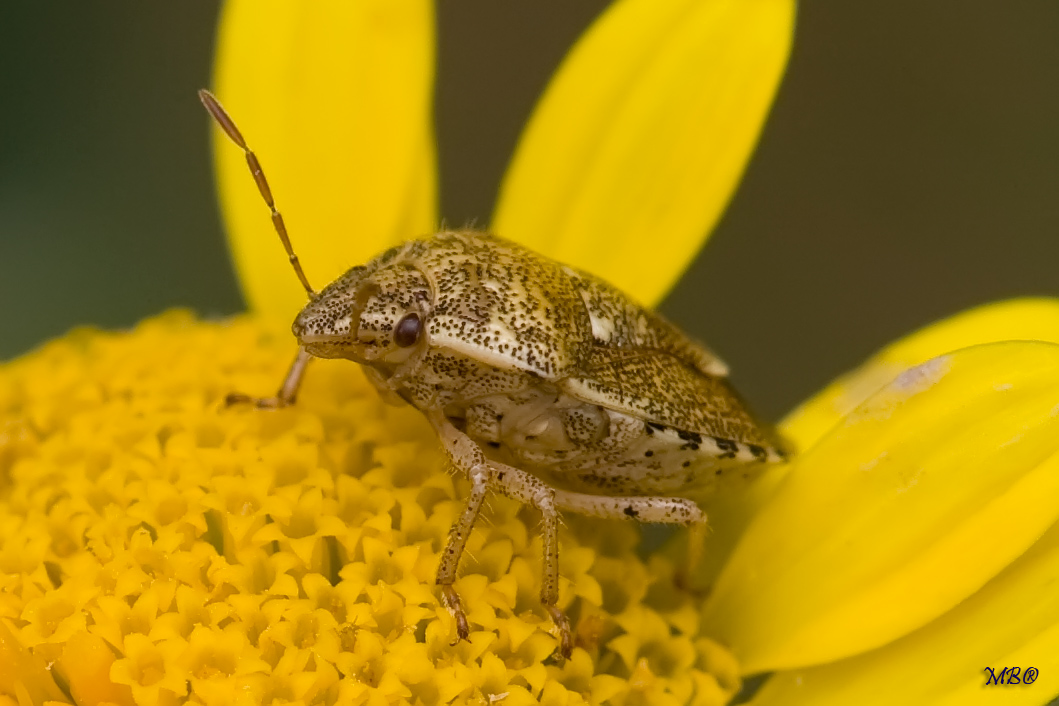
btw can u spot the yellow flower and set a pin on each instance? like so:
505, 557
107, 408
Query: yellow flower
911, 546
159, 547
644, 130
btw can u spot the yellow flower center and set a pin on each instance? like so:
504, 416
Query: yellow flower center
157, 546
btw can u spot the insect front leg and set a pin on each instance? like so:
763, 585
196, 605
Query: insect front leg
524, 487
287, 392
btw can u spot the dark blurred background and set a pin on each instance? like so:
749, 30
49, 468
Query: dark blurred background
909, 169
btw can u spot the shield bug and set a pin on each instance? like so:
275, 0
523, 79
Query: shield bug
543, 382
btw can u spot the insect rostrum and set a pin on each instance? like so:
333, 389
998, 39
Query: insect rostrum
542, 382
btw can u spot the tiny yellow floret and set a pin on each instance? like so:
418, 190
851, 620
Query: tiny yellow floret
158, 547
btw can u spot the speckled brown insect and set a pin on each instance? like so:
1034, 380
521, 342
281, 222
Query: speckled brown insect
542, 382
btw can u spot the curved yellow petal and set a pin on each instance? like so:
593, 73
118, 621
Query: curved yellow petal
920, 496
335, 99
1013, 623
640, 140
1029, 319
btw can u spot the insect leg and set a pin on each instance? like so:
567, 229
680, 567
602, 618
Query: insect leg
528, 488
671, 511
450, 557
514, 483
677, 511
287, 392
550, 578
468, 458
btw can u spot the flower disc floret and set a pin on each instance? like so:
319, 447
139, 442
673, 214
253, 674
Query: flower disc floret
161, 547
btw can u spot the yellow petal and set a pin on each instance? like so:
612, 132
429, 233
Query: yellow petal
335, 99
1030, 319
640, 140
919, 497
1013, 623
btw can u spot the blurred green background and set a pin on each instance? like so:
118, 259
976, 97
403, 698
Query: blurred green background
910, 169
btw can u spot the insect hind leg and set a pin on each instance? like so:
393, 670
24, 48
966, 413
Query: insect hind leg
672, 511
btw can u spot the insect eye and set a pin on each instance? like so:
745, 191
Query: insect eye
407, 331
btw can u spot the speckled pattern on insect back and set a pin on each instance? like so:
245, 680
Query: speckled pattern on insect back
505, 307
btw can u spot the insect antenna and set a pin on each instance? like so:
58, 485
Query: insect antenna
228, 125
